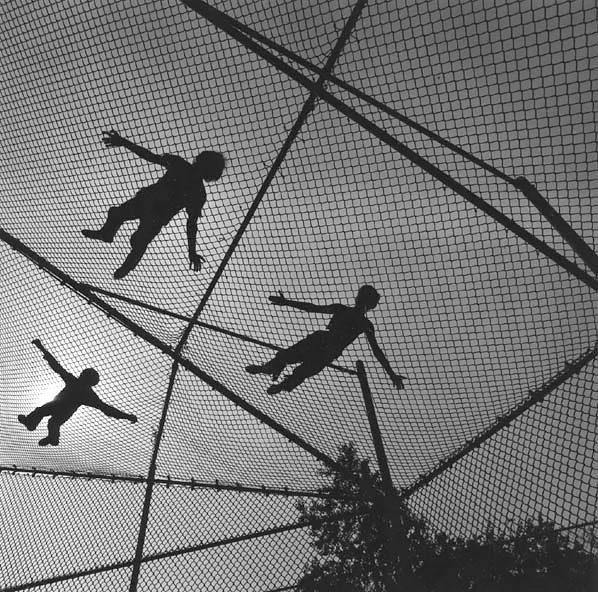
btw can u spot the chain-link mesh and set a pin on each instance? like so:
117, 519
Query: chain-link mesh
131, 377
474, 316
52, 527
237, 566
527, 459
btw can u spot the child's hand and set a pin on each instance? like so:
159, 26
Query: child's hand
195, 261
37, 343
132, 418
279, 300
112, 139
398, 381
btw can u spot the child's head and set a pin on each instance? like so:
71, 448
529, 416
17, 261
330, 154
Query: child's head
89, 376
367, 297
210, 164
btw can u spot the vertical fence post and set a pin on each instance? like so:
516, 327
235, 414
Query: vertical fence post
374, 427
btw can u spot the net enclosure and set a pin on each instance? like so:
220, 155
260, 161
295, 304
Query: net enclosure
376, 143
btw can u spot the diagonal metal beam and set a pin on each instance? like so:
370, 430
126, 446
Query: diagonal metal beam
534, 397
223, 22
151, 478
583, 250
197, 323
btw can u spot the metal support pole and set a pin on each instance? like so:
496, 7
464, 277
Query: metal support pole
585, 252
217, 19
149, 485
389, 496
374, 428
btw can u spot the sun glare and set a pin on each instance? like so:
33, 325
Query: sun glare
47, 392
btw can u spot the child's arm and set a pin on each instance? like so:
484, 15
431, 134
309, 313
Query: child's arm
111, 411
52, 361
195, 260
113, 139
280, 300
371, 337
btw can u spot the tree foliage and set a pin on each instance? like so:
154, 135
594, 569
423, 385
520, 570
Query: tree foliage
381, 545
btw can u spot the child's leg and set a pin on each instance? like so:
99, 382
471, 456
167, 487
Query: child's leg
275, 366
32, 420
54, 423
140, 240
292, 355
53, 436
305, 370
116, 217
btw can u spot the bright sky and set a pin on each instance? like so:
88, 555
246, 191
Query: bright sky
473, 316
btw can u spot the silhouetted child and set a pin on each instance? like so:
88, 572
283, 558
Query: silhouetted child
319, 349
77, 392
180, 187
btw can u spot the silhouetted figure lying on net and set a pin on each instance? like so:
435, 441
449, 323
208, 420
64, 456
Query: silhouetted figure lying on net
321, 348
77, 392
180, 187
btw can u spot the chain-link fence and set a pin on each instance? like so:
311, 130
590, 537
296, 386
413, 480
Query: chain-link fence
475, 317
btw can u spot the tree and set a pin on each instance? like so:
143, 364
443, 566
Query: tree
380, 545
